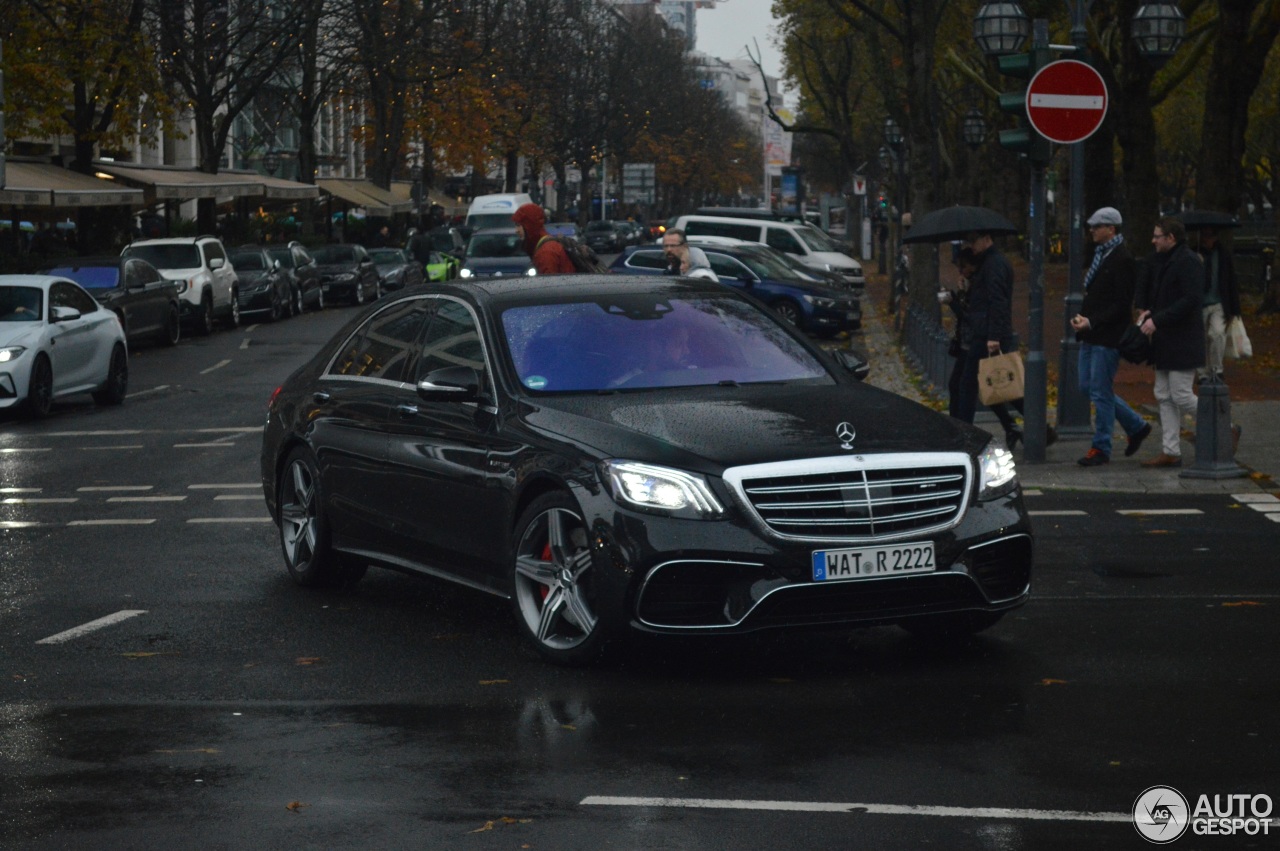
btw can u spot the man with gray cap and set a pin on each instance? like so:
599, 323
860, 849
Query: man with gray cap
1105, 312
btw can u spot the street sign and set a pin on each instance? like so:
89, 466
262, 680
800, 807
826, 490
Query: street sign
1066, 101
638, 183
859, 185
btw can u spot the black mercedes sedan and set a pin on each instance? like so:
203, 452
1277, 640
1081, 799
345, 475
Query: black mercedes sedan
144, 300
617, 453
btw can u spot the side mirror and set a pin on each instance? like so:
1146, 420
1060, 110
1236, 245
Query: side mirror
450, 384
858, 367
60, 313
217, 263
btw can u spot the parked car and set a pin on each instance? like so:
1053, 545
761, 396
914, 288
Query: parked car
570, 229
448, 240
817, 309
809, 245
620, 453
265, 287
145, 302
396, 268
304, 273
347, 271
603, 236
56, 341
441, 266
496, 253
206, 279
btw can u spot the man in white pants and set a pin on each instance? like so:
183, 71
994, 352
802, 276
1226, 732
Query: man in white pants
1169, 312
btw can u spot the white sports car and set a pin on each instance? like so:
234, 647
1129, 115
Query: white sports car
55, 341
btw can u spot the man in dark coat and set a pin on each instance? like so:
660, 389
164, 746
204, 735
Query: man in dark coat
1104, 314
990, 316
1221, 301
1169, 314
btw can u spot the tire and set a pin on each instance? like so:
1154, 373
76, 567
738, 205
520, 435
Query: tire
304, 530
171, 331
295, 301
233, 318
950, 626
204, 322
40, 388
359, 292
788, 312
554, 592
319, 299
277, 311
116, 386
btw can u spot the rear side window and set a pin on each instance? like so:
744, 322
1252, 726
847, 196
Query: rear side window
384, 345
697, 227
647, 260
783, 240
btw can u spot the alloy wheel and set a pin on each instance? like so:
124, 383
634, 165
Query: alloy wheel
553, 582
298, 532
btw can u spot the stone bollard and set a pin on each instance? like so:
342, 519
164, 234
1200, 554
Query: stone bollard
1215, 456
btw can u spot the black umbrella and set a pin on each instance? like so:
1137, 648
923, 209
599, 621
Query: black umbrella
1196, 219
955, 222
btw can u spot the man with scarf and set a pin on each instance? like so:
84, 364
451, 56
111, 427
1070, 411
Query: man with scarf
1105, 312
548, 255
1169, 304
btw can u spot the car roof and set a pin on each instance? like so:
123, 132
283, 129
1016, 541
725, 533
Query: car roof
95, 260
497, 291
42, 281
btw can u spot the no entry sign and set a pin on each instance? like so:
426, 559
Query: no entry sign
1066, 101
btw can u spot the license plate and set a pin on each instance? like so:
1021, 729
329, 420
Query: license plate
872, 562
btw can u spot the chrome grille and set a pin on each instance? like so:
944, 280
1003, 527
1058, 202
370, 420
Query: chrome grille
879, 497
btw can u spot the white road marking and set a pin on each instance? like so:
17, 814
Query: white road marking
113, 522
1255, 497
244, 344
102, 448
146, 498
856, 809
11, 450
21, 524
204, 445
219, 365
149, 390
1128, 511
223, 496
21, 490
1068, 513
225, 486
85, 628
1275, 517
1033, 492
249, 329
227, 430
38, 500
1265, 507
108, 488
105, 433
229, 520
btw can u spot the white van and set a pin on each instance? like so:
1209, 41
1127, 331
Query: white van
804, 241
494, 211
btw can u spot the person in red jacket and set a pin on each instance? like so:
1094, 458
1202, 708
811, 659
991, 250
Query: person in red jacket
548, 255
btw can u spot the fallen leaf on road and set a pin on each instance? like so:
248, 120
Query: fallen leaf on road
1052, 682
188, 750
307, 660
493, 682
490, 825
295, 806
1243, 603
143, 654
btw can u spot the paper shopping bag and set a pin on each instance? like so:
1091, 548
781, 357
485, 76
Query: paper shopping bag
1000, 378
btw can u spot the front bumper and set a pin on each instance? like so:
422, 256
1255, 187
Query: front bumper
254, 301
671, 576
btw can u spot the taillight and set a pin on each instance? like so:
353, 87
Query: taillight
271, 403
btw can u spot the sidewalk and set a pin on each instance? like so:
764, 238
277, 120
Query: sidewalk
1258, 453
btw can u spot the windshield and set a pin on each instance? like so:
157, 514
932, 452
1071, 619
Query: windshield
21, 304
599, 227
90, 277
167, 256
284, 255
388, 256
646, 341
489, 220
335, 254
248, 262
495, 245
816, 240
766, 265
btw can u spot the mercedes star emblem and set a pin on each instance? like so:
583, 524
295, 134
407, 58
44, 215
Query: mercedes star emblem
846, 433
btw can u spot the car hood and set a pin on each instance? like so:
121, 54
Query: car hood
337, 268
25, 334
180, 274
711, 428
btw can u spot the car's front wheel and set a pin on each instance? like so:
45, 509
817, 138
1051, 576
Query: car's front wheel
171, 332
204, 321
304, 529
233, 318
295, 303
40, 388
116, 387
555, 588
788, 312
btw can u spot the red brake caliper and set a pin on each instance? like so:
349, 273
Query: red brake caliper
546, 556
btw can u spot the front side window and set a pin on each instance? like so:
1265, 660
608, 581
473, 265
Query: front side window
385, 345
452, 339
727, 267
213, 251
69, 295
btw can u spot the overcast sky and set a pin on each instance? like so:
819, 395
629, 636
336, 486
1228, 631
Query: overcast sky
725, 30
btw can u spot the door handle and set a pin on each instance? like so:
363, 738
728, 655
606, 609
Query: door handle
407, 410
321, 396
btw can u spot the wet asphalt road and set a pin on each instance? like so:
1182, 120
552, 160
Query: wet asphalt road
239, 711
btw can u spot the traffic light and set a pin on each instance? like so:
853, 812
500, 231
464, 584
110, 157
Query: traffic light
1025, 140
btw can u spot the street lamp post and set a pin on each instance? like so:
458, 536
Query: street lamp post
974, 131
271, 162
415, 175
894, 138
886, 162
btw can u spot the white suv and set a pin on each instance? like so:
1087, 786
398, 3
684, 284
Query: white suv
205, 277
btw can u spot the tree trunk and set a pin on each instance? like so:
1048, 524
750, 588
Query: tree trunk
1136, 131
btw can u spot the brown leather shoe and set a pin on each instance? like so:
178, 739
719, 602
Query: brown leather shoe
1163, 460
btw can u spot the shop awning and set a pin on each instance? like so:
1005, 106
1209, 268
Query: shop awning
375, 200
169, 183
48, 185
287, 190
403, 190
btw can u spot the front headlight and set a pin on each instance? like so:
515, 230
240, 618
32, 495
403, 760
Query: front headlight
11, 353
344, 278
662, 489
996, 472
532, 273
465, 273
819, 301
